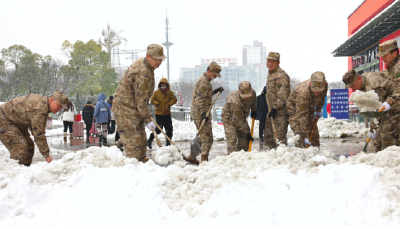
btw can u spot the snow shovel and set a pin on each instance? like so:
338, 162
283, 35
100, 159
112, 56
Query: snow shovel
312, 132
155, 135
195, 149
366, 145
252, 129
173, 143
272, 120
374, 114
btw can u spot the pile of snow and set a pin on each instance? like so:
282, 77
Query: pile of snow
166, 155
333, 128
366, 101
282, 187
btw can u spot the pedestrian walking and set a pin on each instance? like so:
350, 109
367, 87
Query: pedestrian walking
111, 123
163, 99
28, 113
262, 111
68, 120
101, 115
87, 112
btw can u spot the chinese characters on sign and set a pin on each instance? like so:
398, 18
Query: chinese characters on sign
340, 103
219, 60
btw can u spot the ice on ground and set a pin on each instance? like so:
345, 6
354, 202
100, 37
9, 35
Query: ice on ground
366, 101
333, 128
166, 155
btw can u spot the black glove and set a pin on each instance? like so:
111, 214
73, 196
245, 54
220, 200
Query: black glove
248, 136
204, 116
216, 90
253, 114
272, 113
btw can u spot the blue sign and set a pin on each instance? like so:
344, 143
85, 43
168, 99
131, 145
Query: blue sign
340, 103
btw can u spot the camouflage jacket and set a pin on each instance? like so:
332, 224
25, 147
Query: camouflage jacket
31, 112
201, 97
394, 76
378, 83
236, 110
278, 89
301, 103
134, 91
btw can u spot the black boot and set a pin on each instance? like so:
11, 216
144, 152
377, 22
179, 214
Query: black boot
168, 143
149, 143
104, 140
101, 138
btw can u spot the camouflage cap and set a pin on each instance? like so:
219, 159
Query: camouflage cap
274, 56
386, 47
349, 77
59, 95
156, 51
214, 67
245, 89
318, 81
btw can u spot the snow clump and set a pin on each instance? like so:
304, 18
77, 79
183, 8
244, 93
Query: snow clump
366, 101
166, 155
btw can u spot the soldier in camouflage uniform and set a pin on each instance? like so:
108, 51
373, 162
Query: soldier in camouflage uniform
389, 52
372, 81
201, 102
130, 103
234, 114
278, 89
300, 105
24, 113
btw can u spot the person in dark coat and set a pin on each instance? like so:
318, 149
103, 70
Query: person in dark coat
262, 110
87, 112
111, 122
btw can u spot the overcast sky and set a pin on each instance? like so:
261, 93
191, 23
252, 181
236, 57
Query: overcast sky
303, 32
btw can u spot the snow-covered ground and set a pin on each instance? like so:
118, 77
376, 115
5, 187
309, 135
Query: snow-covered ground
283, 187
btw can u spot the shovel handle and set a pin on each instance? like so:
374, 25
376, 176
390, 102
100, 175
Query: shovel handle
173, 143
156, 136
382, 108
252, 129
312, 132
366, 145
208, 112
272, 120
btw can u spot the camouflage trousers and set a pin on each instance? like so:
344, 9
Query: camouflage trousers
132, 137
295, 125
235, 139
281, 122
17, 141
206, 136
388, 130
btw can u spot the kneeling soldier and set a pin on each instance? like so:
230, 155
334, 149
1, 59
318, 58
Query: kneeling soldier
234, 114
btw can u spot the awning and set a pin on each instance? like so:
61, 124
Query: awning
382, 26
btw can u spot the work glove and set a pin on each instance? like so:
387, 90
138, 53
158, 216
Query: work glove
272, 113
218, 89
307, 142
151, 125
204, 116
249, 137
318, 114
387, 106
372, 135
253, 114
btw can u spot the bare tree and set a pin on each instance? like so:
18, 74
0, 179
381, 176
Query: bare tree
293, 82
336, 85
110, 41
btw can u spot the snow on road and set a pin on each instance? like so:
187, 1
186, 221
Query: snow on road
283, 187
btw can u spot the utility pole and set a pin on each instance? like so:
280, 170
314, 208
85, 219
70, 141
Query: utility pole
167, 44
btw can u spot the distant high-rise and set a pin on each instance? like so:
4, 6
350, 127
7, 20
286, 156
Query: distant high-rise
255, 55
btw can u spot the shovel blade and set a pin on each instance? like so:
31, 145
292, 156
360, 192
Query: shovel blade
195, 149
373, 114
